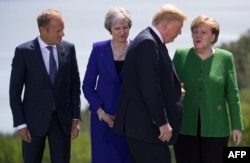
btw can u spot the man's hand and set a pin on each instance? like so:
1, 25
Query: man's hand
24, 134
165, 132
75, 128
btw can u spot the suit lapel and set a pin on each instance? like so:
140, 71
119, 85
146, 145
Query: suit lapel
109, 62
62, 52
169, 59
165, 51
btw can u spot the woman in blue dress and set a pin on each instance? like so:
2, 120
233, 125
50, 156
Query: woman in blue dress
101, 88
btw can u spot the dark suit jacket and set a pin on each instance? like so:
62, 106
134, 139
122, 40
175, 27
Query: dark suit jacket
151, 92
40, 96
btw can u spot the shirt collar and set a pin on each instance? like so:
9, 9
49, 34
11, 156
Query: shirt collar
43, 44
156, 32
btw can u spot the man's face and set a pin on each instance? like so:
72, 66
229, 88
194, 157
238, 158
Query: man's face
172, 30
53, 33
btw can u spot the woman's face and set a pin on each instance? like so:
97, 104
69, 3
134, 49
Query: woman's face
120, 31
202, 36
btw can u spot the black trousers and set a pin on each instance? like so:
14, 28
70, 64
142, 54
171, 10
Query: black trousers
59, 145
197, 149
143, 152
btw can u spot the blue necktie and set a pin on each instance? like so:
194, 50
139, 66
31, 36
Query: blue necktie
52, 65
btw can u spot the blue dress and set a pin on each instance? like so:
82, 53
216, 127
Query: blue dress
101, 87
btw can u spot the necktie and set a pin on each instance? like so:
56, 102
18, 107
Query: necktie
165, 47
52, 65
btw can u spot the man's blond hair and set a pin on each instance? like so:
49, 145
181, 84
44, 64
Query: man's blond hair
168, 12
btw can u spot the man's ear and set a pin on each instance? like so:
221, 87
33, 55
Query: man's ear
164, 25
43, 30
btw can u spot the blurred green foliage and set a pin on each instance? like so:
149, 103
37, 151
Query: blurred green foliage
241, 52
246, 121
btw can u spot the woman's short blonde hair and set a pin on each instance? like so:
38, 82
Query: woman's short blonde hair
168, 12
115, 15
210, 22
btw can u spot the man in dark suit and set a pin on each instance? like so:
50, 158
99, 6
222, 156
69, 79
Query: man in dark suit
45, 91
150, 108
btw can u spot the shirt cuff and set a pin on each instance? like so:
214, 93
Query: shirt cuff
21, 126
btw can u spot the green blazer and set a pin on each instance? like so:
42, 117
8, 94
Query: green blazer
211, 90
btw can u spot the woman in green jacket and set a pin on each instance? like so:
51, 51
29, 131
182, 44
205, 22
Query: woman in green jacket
211, 106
